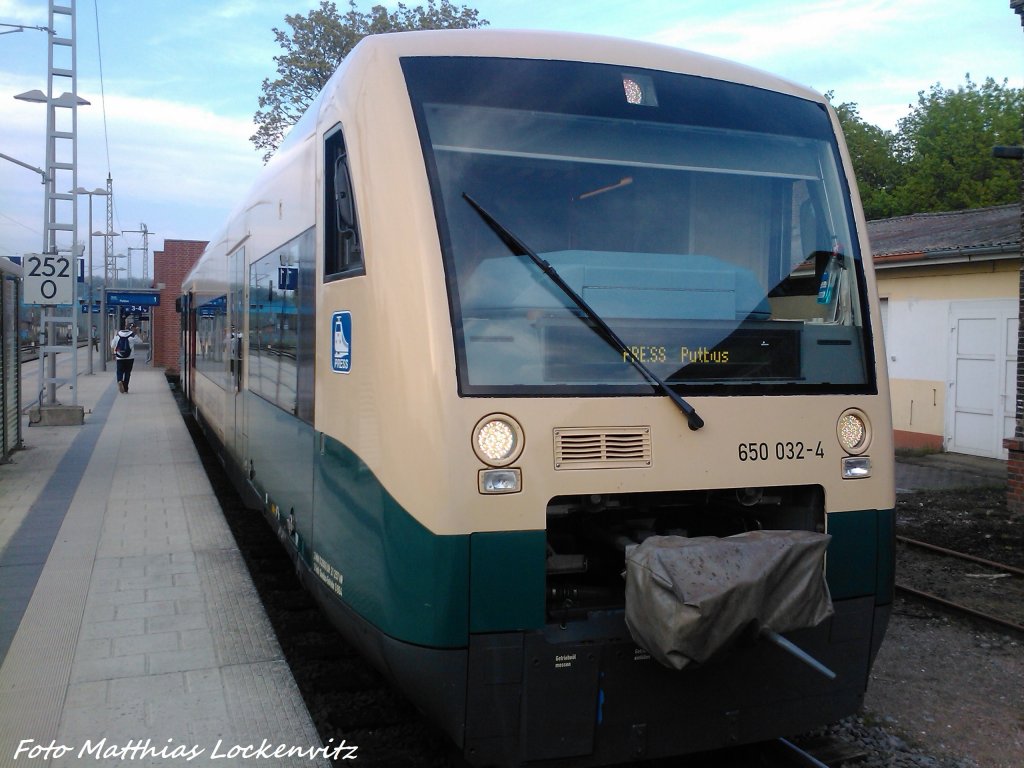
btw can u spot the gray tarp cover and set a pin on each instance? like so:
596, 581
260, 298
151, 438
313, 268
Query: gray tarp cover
687, 598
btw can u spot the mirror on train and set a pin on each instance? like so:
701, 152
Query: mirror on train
812, 238
343, 198
818, 243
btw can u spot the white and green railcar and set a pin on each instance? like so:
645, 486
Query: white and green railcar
505, 303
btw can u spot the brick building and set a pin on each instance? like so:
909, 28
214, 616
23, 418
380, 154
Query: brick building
169, 269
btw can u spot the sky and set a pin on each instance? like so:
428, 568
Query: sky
171, 118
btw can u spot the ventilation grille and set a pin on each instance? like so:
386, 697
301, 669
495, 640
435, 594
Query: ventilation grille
603, 448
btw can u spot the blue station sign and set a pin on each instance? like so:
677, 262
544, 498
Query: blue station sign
133, 298
287, 278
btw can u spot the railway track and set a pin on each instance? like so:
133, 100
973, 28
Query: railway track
812, 757
808, 752
974, 586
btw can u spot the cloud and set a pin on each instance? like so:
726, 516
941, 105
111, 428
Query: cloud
233, 9
791, 31
175, 166
877, 53
171, 158
21, 12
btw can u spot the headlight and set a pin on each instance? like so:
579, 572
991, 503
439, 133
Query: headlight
853, 431
856, 467
497, 440
492, 481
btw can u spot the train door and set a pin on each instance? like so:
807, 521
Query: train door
193, 324
187, 362
237, 344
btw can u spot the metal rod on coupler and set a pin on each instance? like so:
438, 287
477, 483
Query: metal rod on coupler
805, 757
801, 654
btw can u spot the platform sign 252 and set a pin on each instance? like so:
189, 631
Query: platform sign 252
47, 278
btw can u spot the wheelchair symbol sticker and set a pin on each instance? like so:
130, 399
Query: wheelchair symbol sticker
341, 342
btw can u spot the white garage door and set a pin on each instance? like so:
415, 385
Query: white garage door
982, 377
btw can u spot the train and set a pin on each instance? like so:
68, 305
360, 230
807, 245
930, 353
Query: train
506, 307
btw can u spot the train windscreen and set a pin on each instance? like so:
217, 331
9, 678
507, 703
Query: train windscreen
707, 223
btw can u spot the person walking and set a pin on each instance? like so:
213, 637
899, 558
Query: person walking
123, 348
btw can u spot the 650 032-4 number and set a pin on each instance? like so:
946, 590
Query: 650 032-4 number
780, 451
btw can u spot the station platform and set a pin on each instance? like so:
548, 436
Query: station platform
130, 630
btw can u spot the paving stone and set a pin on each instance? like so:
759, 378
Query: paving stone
146, 610
181, 661
140, 623
109, 668
118, 628
145, 643
176, 622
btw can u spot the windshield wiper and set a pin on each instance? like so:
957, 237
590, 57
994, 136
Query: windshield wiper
519, 248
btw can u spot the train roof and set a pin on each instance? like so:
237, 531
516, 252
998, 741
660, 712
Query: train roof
571, 46
523, 44
562, 46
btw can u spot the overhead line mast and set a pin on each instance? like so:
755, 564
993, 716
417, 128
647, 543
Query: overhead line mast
60, 214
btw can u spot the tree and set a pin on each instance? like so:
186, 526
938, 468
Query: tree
873, 153
940, 156
318, 42
945, 145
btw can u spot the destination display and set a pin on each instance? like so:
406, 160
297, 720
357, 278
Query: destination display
574, 353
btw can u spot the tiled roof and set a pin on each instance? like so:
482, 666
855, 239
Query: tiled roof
921, 233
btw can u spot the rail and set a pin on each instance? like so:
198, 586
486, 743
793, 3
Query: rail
29, 352
961, 555
952, 604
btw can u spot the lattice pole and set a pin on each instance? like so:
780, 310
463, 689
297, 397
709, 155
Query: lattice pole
60, 226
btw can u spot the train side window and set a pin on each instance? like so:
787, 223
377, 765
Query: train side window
343, 252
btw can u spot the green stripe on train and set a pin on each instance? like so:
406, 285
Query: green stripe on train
860, 558
508, 572
412, 584
433, 590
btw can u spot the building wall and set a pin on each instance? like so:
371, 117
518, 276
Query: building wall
920, 301
169, 269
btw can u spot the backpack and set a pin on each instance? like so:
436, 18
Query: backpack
123, 348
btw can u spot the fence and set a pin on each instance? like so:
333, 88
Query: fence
10, 358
